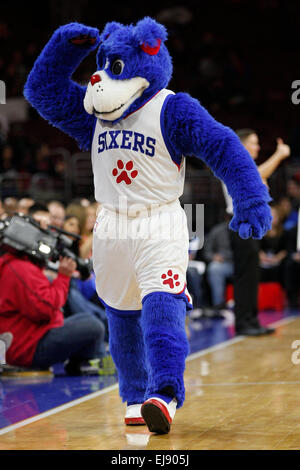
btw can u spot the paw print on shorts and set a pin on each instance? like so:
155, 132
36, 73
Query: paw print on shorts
126, 174
172, 280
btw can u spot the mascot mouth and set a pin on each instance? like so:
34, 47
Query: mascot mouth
130, 100
108, 112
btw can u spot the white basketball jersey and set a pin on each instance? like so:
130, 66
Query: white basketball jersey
131, 160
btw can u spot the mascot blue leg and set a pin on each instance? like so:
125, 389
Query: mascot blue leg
166, 343
127, 349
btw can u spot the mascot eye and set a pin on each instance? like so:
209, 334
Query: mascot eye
117, 67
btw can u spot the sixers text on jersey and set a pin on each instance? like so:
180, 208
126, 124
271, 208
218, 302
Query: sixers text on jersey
126, 139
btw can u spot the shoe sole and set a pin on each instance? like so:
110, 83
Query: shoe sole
156, 417
134, 421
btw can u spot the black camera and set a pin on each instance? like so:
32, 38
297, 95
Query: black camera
22, 235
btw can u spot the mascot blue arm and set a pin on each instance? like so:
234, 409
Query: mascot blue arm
191, 130
49, 87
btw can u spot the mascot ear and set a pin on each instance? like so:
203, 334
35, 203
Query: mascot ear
108, 29
149, 35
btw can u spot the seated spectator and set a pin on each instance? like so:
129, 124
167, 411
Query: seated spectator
218, 253
84, 202
77, 304
76, 300
71, 224
292, 269
86, 215
273, 251
293, 190
287, 213
30, 308
10, 206
2, 211
83, 295
24, 204
79, 211
88, 286
7, 161
87, 232
43, 162
57, 213
40, 213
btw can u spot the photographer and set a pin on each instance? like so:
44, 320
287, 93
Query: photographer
30, 308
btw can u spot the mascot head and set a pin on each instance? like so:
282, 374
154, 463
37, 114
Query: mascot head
133, 64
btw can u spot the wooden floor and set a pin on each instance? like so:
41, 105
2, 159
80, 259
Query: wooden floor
242, 396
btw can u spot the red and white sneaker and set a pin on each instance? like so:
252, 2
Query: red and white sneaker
133, 415
159, 414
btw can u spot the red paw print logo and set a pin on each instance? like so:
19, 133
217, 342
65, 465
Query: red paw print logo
172, 280
126, 172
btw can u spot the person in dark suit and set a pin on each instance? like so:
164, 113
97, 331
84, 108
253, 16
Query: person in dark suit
246, 251
292, 269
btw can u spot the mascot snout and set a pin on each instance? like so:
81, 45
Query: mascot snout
107, 98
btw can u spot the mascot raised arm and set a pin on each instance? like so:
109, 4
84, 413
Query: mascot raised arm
139, 133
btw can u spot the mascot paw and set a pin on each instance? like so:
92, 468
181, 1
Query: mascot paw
80, 35
253, 221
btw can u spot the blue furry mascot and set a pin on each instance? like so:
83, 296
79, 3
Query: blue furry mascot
138, 132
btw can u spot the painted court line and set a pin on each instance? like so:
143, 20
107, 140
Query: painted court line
53, 411
237, 384
223, 345
284, 321
237, 339
90, 396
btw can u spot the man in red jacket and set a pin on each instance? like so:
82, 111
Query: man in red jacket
30, 308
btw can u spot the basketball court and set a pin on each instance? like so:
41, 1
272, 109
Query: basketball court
241, 393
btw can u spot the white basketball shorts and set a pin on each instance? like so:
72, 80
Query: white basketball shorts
135, 256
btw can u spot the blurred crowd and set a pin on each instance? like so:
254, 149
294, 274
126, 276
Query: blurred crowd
230, 77
78, 217
46, 299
